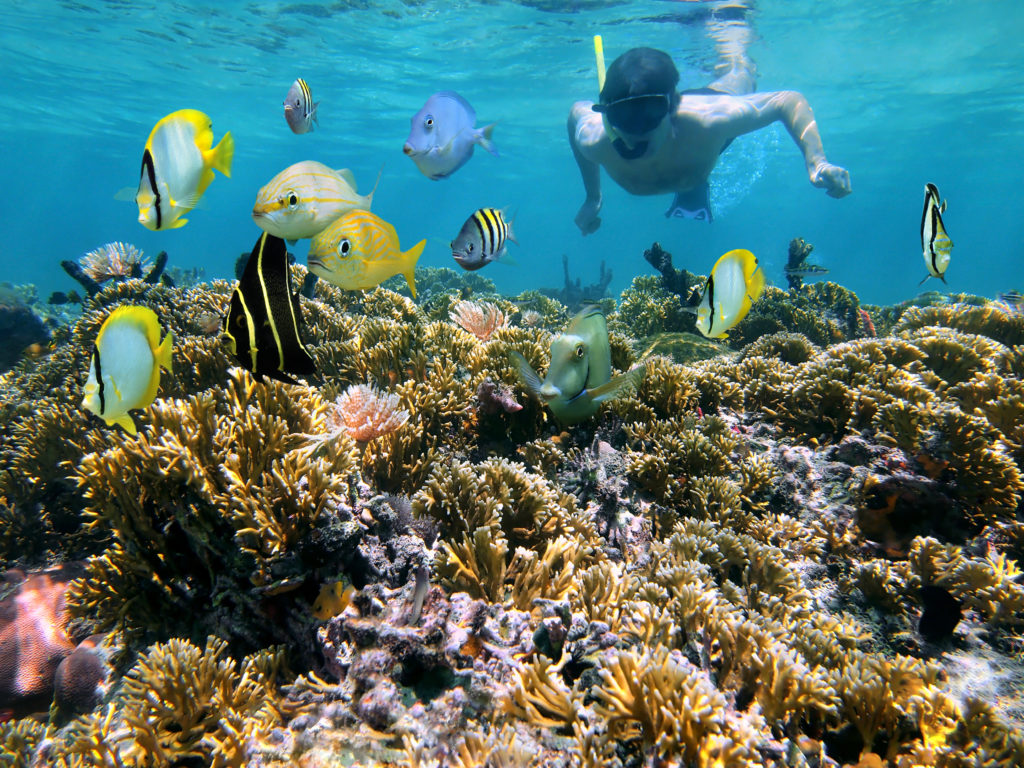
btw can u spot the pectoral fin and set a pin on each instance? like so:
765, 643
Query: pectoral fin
618, 385
527, 375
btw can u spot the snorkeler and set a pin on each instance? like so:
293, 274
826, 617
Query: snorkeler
652, 139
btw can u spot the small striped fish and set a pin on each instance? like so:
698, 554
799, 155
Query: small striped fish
482, 239
360, 250
304, 198
299, 109
935, 243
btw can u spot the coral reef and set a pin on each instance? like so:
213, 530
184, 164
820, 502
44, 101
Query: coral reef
573, 294
677, 281
731, 566
481, 319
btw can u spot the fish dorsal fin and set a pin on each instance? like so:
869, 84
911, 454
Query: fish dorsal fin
461, 102
348, 176
581, 316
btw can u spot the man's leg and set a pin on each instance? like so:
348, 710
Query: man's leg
728, 28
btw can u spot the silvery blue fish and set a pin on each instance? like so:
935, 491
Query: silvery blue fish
299, 108
443, 135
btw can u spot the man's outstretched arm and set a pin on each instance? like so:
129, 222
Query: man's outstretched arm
792, 110
587, 219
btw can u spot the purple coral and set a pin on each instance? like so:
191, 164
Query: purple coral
496, 398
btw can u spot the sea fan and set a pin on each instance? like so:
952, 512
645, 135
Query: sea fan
112, 261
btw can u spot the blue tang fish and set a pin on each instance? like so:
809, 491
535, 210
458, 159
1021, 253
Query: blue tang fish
443, 135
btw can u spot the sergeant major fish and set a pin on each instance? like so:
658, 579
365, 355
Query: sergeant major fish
299, 108
443, 135
736, 281
360, 250
482, 239
263, 327
935, 243
177, 167
579, 377
304, 198
124, 371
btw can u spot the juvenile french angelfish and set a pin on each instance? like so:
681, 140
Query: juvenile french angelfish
304, 198
263, 327
124, 372
443, 135
735, 283
579, 377
360, 250
482, 239
299, 108
177, 167
935, 243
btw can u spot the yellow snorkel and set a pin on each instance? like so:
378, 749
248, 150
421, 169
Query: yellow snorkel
599, 56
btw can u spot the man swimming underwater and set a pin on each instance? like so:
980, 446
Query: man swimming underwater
652, 139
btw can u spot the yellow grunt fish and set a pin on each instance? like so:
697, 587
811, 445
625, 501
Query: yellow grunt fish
304, 198
360, 250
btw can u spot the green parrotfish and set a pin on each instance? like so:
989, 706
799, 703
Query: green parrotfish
579, 377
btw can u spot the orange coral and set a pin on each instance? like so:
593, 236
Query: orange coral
365, 413
481, 319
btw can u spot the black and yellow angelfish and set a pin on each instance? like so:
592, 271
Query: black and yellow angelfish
935, 243
263, 327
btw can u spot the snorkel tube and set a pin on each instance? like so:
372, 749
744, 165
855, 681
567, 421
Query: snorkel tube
623, 147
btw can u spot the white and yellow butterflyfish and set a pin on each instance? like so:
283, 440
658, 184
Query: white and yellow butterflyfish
735, 283
124, 370
177, 167
304, 198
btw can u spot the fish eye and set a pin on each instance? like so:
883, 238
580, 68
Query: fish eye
469, 247
292, 199
429, 121
579, 350
344, 246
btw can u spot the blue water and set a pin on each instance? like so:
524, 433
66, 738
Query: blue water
904, 93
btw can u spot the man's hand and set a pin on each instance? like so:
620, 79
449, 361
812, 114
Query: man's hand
587, 219
833, 179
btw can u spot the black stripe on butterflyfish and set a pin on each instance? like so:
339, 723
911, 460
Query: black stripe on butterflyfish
150, 171
711, 303
99, 378
264, 322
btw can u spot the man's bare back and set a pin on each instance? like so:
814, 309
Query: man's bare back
679, 154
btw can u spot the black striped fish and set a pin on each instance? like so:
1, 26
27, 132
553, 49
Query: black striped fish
299, 108
263, 328
935, 243
482, 239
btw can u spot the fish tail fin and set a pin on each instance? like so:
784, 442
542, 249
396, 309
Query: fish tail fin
164, 352
125, 422
223, 154
176, 224
509, 220
314, 115
410, 258
527, 375
483, 138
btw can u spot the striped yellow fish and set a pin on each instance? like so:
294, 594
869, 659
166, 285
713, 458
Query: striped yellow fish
360, 250
304, 198
935, 243
482, 239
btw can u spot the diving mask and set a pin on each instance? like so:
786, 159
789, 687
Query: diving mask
636, 114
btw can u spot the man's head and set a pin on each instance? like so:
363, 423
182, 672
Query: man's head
639, 92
